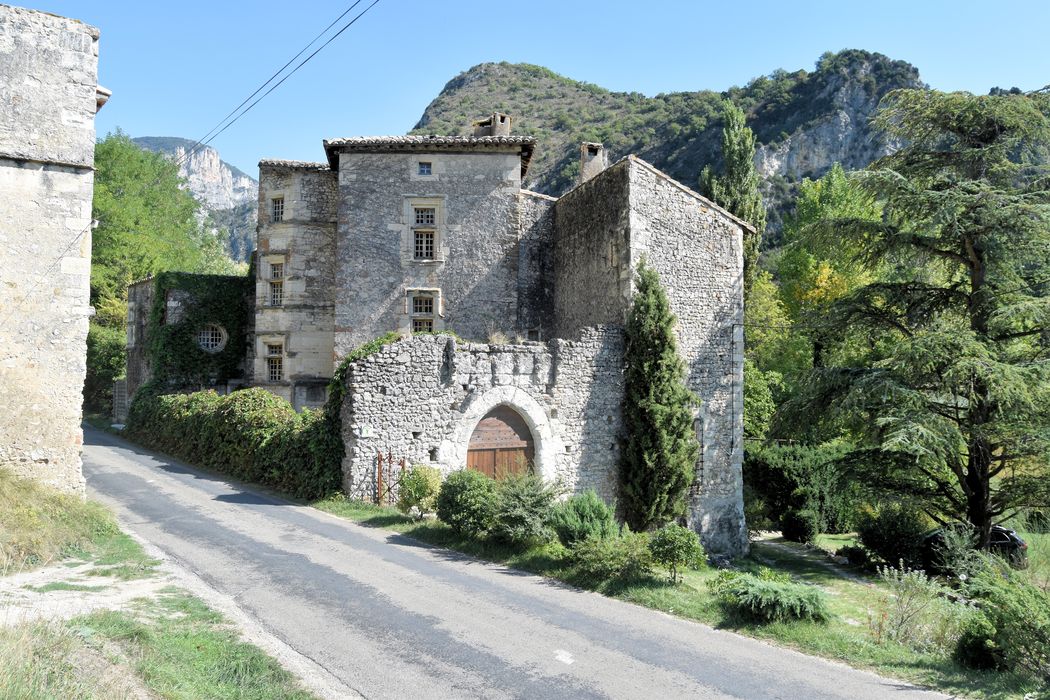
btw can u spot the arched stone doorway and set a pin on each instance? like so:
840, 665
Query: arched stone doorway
501, 444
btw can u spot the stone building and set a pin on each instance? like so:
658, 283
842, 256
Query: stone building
49, 95
437, 233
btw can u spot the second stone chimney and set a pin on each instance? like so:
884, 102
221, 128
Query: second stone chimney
496, 125
592, 160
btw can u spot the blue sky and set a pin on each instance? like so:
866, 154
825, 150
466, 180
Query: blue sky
176, 68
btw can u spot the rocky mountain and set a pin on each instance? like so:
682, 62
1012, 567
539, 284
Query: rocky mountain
227, 195
804, 121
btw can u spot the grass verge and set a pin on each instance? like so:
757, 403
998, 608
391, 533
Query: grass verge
845, 638
173, 646
39, 525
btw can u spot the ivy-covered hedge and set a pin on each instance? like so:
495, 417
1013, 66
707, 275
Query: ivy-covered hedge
251, 434
175, 357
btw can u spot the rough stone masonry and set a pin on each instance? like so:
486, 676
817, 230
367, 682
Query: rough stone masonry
49, 95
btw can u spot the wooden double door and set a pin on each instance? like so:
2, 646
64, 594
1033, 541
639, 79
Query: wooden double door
501, 444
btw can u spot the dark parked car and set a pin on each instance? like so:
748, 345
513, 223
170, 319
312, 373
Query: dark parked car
1003, 541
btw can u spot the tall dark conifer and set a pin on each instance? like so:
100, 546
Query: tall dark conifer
736, 189
660, 448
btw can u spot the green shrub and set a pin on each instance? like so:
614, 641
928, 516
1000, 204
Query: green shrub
626, 557
419, 489
856, 556
720, 585
799, 525
523, 509
674, 546
917, 611
787, 478
1019, 613
467, 502
895, 532
773, 600
976, 647
582, 516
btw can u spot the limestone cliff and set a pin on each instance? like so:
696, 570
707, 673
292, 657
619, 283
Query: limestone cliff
228, 196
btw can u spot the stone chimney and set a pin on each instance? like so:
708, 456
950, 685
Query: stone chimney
592, 161
496, 125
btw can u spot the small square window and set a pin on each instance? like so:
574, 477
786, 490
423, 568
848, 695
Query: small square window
276, 210
424, 168
425, 216
423, 305
424, 245
533, 334
276, 271
422, 325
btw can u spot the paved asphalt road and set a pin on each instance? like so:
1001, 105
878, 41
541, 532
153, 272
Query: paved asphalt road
392, 618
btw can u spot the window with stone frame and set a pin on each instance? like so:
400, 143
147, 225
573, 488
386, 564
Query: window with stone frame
276, 210
425, 168
422, 312
424, 244
276, 296
275, 361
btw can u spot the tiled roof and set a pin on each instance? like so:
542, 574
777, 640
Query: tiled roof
431, 143
297, 164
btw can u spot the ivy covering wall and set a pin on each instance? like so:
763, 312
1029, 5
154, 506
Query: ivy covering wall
176, 359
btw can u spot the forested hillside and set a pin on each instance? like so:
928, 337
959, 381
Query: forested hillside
804, 121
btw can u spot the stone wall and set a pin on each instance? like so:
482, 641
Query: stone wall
474, 276
304, 242
140, 303
697, 249
536, 265
421, 398
592, 277
48, 86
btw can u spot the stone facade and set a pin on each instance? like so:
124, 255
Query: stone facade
421, 233
295, 263
422, 397
49, 95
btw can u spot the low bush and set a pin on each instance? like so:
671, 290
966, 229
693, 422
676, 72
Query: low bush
419, 489
894, 532
800, 525
918, 612
976, 647
1019, 613
582, 516
626, 557
675, 547
522, 510
467, 502
856, 556
770, 597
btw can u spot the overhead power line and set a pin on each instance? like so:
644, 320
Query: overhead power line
201, 143
293, 71
259, 89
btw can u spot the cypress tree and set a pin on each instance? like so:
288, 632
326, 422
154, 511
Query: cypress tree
660, 448
736, 189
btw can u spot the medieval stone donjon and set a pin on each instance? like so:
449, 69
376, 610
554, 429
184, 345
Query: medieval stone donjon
49, 95
432, 233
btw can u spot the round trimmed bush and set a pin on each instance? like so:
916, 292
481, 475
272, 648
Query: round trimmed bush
976, 647
799, 525
582, 516
895, 532
467, 501
674, 546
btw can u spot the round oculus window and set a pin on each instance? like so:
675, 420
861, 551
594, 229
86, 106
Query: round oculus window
211, 338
